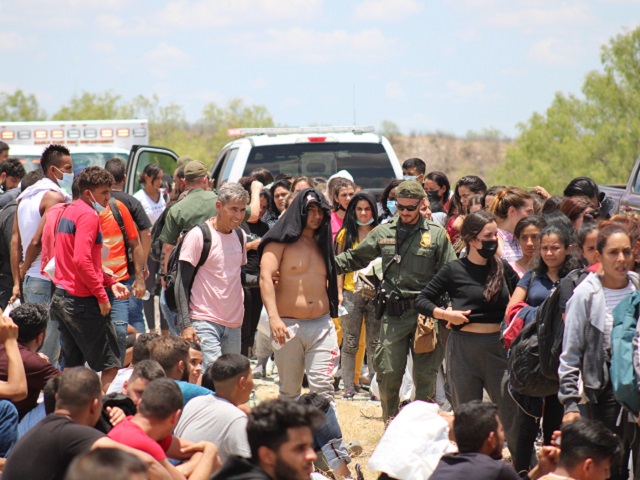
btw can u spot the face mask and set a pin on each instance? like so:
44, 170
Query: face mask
96, 206
409, 177
489, 248
391, 206
66, 182
362, 224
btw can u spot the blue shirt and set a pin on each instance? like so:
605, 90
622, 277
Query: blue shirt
539, 289
191, 390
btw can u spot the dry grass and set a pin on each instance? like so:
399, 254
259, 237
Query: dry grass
360, 420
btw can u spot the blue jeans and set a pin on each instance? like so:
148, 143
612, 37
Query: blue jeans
328, 439
8, 427
172, 317
37, 290
216, 340
136, 319
120, 318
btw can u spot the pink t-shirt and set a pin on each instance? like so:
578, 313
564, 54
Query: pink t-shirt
216, 295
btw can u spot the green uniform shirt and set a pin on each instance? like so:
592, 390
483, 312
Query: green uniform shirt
424, 251
197, 207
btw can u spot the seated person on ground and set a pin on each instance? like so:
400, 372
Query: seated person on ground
14, 388
587, 451
150, 429
107, 463
217, 418
172, 353
140, 352
46, 451
280, 434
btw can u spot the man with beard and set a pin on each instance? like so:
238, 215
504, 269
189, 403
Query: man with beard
480, 438
301, 304
172, 353
280, 434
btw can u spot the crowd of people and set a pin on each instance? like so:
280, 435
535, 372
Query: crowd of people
342, 289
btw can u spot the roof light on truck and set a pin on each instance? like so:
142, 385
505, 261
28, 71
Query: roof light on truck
90, 133
139, 132
236, 132
24, 134
122, 132
7, 135
57, 133
40, 134
106, 133
73, 133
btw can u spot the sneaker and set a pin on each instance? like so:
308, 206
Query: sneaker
348, 394
259, 372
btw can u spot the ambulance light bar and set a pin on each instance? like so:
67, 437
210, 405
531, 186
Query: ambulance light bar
272, 131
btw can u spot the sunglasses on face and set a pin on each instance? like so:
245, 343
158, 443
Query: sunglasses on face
409, 208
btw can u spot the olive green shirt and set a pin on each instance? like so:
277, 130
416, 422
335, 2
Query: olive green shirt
197, 207
423, 252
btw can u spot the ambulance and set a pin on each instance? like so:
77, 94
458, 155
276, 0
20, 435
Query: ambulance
91, 142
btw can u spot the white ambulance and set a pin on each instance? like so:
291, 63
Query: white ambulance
91, 142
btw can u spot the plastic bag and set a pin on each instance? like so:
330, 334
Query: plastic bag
413, 443
407, 389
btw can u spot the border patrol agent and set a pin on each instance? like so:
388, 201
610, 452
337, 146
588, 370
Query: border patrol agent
413, 249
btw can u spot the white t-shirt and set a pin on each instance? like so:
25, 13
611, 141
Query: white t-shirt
216, 295
216, 420
151, 208
613, 298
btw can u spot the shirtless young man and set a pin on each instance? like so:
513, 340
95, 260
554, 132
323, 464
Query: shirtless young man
298, 248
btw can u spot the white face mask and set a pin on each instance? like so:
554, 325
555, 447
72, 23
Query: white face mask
66, 181
96, 206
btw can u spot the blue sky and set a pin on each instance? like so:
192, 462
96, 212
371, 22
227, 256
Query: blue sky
449, 65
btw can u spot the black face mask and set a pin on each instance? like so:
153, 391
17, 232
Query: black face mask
489, 248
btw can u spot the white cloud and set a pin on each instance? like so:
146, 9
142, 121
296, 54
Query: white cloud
165, 58
206, 14
556, 15
554, 52
12, 41
385, 10
316, 47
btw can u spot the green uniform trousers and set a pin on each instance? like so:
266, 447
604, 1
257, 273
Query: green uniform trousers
390, 361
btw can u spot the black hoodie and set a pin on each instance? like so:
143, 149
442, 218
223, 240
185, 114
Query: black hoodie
289, 229
238, 468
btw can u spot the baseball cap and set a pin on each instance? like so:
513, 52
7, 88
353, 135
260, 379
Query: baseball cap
410, 189
194, 169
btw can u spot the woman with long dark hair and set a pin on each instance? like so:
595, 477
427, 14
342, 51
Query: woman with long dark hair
479, 287
388, 201
552, 262
438, 184
359, 220
277, 205
459, 207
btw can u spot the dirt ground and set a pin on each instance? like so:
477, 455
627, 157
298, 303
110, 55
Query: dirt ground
360, 420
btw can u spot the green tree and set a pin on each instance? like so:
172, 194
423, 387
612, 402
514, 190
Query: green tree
95, 106
20, 107
597, 135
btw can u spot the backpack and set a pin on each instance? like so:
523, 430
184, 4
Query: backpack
174, 260
155, 252
171, 276
523, 365
551, 326
115, 211
623, 353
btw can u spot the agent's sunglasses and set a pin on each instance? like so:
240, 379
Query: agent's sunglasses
409, 208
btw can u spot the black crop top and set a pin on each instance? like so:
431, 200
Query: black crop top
464, 281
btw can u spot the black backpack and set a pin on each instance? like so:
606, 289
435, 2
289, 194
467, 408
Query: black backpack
155, 252
523, 364
551, 326
174, 260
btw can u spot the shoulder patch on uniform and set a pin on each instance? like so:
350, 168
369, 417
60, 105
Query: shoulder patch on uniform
387, 241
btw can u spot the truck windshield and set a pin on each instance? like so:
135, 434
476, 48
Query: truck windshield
367, 162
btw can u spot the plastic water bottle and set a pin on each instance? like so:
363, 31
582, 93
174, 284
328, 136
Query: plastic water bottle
146, 296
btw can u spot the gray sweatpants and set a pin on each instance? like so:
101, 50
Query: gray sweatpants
476, 361
313, 350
